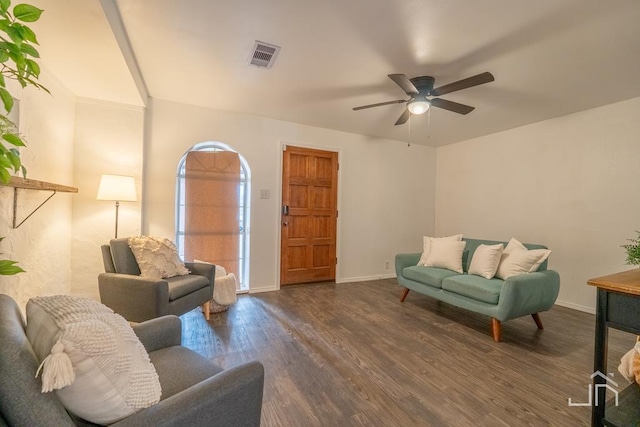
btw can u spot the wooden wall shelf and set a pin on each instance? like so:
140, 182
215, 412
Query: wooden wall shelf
31, 184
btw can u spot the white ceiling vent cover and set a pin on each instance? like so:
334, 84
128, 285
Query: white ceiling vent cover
264, 54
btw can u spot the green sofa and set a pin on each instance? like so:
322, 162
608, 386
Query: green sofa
502, 300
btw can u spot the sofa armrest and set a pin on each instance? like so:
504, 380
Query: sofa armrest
161, 332
406, 260
202, 269
136, 298
231, 398
528, 293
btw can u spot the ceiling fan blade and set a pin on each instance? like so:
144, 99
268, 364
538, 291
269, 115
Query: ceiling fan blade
451, 106
404, 82
463, 84
399, 101
403, 117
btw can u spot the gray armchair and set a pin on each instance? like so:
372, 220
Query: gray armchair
195, 392
138, 298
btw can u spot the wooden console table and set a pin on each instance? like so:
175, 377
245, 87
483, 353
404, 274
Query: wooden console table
618, 306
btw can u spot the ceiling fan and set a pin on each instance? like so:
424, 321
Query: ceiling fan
421, 91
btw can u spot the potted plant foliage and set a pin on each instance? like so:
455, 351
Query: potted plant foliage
17, 62
633, 250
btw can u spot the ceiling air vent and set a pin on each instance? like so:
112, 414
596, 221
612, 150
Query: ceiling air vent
263, 54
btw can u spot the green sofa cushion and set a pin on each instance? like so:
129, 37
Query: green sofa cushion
476, 287
431, 276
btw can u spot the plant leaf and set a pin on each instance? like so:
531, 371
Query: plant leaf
15, 35
4, 5
30, 50
4, 175
27, 13
29, 35
8, 268
33, 67
13, 139
14, 158
5, 163
7, 99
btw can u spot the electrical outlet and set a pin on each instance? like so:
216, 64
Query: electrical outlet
264, 194
386, 265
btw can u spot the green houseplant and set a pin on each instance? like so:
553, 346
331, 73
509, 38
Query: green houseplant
633, 250
17, 62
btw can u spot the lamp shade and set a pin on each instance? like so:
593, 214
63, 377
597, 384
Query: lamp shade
117, 187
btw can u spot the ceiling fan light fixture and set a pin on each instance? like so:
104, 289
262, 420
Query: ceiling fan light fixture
419, 106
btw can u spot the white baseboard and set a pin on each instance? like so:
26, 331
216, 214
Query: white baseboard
578, 307
257, 290
365, 278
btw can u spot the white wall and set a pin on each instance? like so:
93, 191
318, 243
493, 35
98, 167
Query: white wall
386, 191
108, 140
42, 244
570, 183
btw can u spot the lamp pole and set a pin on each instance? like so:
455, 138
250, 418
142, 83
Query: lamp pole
117, 206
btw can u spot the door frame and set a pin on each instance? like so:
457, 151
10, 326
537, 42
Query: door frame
282, 146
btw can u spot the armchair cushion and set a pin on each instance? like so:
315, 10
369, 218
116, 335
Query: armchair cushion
180, 286
123, 260
191, 370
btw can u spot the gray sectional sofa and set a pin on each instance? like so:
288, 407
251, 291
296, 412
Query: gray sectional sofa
502, 300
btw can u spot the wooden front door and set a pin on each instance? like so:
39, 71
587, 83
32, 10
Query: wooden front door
308, 216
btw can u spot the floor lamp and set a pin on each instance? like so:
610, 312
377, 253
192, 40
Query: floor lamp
117, 188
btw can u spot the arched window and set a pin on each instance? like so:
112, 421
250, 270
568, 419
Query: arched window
212, 208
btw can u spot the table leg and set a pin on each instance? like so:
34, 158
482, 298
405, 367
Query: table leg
600, 360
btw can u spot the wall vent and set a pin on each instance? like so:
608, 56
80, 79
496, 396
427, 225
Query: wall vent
263, 54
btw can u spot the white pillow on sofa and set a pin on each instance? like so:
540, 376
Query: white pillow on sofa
517, 259
99, 368
485, 261
426, 245
446, 253
157, 257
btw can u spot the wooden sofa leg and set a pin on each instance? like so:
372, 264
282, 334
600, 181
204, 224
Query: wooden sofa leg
536, 318
404, 294
496, 329
205, 309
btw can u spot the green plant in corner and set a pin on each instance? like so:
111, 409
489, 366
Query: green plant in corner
17, 62
633, 250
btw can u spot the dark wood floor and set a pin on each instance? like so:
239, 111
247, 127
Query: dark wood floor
352, 354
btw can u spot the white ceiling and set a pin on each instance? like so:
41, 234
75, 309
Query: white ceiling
549, 58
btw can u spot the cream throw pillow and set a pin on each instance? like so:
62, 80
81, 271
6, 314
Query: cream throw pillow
157, 257
426, 245
446, 254
485, 261
514, 246
92, 358
517, 259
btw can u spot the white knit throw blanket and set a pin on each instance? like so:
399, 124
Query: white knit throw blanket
224, 289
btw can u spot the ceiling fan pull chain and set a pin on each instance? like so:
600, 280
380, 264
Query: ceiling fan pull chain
429, 124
